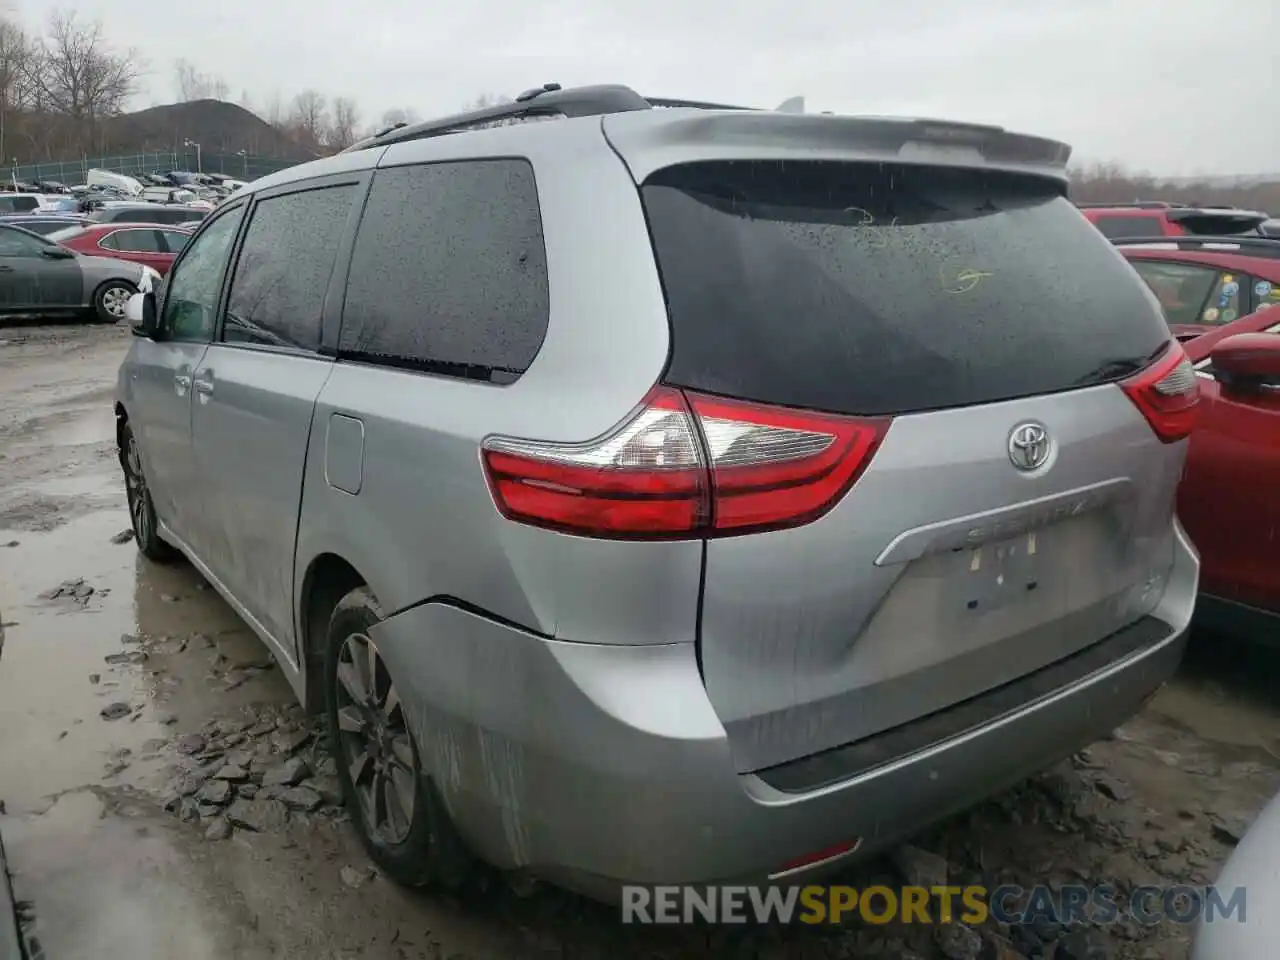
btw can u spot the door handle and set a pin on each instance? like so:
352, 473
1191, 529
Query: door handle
182, 382
204, 386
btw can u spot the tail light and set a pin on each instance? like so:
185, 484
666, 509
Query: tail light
685, 465
1168, 394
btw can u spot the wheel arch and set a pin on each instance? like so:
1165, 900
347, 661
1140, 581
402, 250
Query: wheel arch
122, 418
328, 579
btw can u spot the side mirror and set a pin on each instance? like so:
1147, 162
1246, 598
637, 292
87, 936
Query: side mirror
140, 310
1247, 361
57, 253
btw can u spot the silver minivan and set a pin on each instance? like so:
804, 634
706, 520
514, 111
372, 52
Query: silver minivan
672, 494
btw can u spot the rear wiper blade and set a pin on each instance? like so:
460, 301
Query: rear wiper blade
1115, 369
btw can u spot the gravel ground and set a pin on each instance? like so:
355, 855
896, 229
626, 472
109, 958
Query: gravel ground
164, 797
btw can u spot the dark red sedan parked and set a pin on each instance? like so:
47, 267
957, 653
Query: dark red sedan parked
1205, 283
152, 244
1229, 500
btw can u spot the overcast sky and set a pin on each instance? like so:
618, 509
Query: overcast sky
1175, 87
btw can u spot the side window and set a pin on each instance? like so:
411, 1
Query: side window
449, 271
173, 240
1223, 305
1123, 227
14, 243
191, 301
137, 241
1266, 294
284, 268
1182, 288
111, 241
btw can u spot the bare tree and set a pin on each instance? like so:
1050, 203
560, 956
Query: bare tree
486, 100
346, 117
194, 85
399, 115
275, 113
81, 76
17, 61
309, 119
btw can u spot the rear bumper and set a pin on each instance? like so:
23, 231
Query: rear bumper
596, 765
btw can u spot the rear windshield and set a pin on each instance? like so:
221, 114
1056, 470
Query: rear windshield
879, 289
1126, 227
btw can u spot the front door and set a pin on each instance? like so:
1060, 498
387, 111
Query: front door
30, 281
163, 369
256, 391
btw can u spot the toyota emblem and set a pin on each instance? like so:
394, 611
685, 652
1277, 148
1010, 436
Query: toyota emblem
1029, 446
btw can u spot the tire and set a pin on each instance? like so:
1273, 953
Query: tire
108, 302
417, 847
142, 510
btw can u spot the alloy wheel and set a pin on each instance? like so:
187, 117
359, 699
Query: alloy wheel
114, 301
136, 492
375, 743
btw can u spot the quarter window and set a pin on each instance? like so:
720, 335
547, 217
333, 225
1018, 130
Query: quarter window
284, 268
449, 271
172, 241
191, 303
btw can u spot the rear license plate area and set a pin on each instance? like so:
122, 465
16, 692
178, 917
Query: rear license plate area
995, 575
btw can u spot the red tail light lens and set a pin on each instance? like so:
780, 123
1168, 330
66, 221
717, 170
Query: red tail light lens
1168, 394
774, 467
685, 467
646, 479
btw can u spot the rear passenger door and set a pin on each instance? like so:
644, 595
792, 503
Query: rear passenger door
256, 389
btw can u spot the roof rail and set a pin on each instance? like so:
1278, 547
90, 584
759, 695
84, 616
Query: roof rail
540, 103
1131, 204
1246, 245
694, 104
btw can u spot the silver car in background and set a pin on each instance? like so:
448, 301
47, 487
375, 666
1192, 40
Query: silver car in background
40, 277
672, 495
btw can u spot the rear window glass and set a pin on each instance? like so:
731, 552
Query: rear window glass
878, 289
1126, 227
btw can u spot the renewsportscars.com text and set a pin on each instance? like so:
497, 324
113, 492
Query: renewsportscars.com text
816, 904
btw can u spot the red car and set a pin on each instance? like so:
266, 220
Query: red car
153, 244
1229, 500
1203, 284
1155, 218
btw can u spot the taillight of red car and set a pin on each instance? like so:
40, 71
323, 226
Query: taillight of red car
1168, 394
686, 465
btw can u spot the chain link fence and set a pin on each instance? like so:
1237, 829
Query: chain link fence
72, 172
